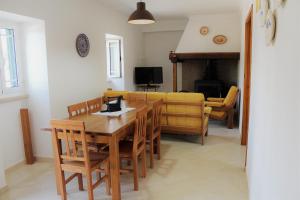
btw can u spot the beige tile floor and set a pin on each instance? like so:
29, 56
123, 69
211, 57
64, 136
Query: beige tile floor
187, 171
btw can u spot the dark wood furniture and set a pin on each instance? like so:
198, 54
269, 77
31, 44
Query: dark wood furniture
77, 161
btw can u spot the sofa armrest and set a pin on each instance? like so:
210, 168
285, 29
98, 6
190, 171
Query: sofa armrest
207, 110
211, 99
214, 104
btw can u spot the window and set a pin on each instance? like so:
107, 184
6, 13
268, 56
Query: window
9, 79
114, 58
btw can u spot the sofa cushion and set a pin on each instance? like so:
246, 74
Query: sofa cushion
231, 97
185, 109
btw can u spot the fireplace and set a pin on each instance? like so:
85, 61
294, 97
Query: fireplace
209, 73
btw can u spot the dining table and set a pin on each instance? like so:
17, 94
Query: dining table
110, 130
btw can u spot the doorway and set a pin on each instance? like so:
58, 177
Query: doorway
247, 77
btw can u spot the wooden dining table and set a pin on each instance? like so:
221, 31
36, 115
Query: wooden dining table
110, 130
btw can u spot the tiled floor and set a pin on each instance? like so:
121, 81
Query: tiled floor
187, 171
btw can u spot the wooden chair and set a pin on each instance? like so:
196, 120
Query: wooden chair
78, 162
94, 105
223, 108
137, 96
154, 131
77, 109
132, 150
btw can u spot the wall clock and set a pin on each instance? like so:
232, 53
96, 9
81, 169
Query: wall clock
270, 28
220, 39
82, 45
204, 30
264, 7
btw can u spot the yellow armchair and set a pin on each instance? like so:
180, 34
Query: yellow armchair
223, 108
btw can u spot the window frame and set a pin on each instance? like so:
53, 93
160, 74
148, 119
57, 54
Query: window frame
113, 38
20, 88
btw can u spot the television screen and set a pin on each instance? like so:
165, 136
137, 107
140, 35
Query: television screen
148, 75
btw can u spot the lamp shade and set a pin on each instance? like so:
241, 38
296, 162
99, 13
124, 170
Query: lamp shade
141, 15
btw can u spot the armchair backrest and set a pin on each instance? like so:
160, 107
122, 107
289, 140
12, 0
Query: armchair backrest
231, 97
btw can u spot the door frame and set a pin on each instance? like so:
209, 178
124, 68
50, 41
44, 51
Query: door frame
247, 76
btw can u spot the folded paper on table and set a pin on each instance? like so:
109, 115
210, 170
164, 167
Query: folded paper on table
115, 114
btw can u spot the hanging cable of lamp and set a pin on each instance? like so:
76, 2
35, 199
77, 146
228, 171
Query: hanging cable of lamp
141, 15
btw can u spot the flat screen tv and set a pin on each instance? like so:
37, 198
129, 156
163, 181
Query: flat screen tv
148, 75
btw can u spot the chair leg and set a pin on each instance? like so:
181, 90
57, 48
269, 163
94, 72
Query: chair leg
135, 173
90, 185
206, 134
144, 163
107, 180
80, 182
158, 147
151, 153
202, 138
62, 185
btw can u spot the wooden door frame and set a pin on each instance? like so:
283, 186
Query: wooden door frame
247, 76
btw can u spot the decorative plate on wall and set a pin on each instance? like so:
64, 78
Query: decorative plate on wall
264, 7
270, 28
82, 45
204, 30
220, 39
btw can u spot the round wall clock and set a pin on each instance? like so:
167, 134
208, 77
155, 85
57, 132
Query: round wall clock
270, 28
220, 39
204, 30
263, 12
82, 45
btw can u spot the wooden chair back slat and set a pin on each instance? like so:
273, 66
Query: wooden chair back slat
70, 133
156, 114
140, 129
77, 109
94, 105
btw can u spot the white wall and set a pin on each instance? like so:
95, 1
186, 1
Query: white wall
274, 141
219, 24
72, 78
157, 48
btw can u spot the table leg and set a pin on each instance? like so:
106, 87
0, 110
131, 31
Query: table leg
115, 167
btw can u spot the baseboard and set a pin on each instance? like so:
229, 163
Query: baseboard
14, 166
44, 159
3, 189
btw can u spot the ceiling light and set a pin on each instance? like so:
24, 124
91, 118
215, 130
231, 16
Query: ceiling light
141, 15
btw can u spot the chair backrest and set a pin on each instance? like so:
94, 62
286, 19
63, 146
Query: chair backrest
94, 105
77, 109
140, 131
69, 133
137, 96
231, 97
156, 115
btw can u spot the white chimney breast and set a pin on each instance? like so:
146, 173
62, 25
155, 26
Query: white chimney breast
218, 24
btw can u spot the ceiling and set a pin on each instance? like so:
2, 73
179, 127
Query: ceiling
176, 9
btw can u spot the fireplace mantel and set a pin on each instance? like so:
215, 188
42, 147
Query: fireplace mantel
182, 57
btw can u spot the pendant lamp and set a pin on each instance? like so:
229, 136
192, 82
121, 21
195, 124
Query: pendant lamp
141, 15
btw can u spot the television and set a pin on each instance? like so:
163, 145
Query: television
148, 75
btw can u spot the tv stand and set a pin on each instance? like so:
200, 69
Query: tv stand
147, 87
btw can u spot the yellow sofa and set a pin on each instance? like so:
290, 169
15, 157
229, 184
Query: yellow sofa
183, 113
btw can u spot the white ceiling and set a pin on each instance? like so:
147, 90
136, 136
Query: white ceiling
169, 9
